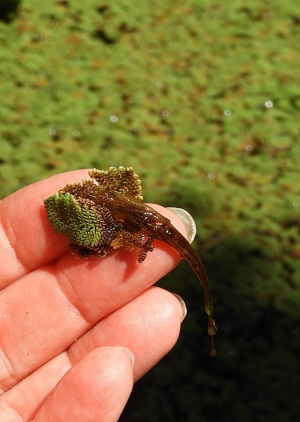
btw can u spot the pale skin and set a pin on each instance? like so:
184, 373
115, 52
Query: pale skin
69, 326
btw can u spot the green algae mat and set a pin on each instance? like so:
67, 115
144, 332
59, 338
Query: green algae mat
202, 98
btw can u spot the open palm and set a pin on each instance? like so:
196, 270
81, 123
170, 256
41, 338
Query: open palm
69, 327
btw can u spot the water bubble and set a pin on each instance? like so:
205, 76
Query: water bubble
296, 204
269, 104
227, 113
55, 134
76, 134
248, 147
211, 176
52, 131
113, 118
159, 84
165, 113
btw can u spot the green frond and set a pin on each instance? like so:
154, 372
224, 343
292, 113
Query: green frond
121, 179
80, 223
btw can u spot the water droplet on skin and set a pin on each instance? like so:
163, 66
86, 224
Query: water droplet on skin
113, 118
296, 204
227, 113
211, 176
269, 104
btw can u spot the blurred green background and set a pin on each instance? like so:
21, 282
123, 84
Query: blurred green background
202, 98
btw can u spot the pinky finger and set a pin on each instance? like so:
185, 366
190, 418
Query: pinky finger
95, 389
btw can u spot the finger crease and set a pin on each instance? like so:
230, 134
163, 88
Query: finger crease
11, 246
9, 414
7, 376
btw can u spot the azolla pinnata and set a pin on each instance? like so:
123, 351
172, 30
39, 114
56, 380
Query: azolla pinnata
107, 212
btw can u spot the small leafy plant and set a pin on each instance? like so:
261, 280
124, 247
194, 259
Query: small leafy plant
107, 212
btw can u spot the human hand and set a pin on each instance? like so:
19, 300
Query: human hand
69, 327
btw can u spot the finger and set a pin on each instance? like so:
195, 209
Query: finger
149, 326
47, 309
26, 239
95, 389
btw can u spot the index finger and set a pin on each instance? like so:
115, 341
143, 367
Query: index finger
27, 241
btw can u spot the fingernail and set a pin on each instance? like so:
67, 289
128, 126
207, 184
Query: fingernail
129, 355
188, 222
183, 305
